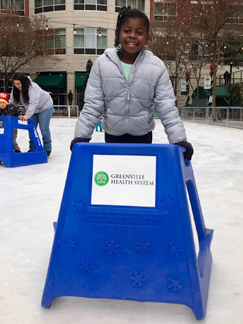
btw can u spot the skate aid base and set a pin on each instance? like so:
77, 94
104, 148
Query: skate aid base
125, 231
7, 154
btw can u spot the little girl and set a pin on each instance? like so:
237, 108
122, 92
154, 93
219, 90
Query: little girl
125, 85
9, 110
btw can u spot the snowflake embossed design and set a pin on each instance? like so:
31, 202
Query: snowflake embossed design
174, 283
167, 201
79, 205
85, 267
138, 279
143, 246
174, 250
111, 247
71, 244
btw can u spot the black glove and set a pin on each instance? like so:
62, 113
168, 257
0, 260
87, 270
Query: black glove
78, 140
189, 149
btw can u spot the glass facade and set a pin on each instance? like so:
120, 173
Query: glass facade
237, 17
18, 5
58, 43
164, 11
49, 5
90, 41
100, 5
138, 4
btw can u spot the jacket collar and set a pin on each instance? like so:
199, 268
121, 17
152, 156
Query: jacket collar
112, 54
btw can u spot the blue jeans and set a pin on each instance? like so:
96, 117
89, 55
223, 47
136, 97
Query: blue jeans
43, 120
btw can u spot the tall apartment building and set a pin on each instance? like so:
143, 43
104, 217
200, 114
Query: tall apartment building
83, 30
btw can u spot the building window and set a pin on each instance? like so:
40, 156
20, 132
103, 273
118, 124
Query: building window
138, 4
58, 42
17, 5
237, 18
49, 5
100, 5
164, 11
90, 41
198, 9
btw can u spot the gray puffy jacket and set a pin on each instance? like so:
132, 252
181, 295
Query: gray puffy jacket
39, 100
127, 106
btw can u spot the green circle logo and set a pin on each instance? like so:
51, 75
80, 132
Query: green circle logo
101, 178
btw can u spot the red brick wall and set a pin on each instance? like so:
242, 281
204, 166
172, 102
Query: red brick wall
151, 10
26, 8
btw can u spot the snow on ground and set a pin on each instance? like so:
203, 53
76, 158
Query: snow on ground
30, 198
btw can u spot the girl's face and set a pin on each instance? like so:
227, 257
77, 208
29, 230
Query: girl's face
133, 36
3, 105
17, 84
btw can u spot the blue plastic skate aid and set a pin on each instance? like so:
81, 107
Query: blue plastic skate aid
7, 154
124, 229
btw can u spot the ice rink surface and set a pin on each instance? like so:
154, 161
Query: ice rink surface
30, 199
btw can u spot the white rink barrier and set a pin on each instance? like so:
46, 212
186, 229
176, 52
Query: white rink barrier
227, 116
66, 111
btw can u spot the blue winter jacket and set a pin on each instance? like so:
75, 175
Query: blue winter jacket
127, 106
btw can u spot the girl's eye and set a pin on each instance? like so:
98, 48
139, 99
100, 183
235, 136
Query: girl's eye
126, 30
139, 33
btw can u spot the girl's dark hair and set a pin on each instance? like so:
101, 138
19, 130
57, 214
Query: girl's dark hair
125, 13
25, 82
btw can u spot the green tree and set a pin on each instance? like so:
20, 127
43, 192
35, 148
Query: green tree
233, 49
235, 95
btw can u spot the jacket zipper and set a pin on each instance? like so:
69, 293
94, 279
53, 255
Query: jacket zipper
127, 83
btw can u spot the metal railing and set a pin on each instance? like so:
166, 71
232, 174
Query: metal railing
220, 116
236, 77
66, 111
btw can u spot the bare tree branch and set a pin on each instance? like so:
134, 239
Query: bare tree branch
22, 39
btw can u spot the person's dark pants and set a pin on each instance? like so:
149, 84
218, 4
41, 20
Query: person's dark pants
127, 138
